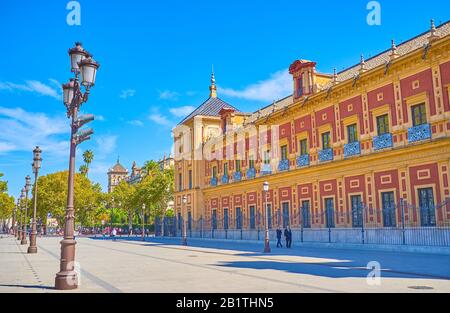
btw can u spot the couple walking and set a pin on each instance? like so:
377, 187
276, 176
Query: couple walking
287, 236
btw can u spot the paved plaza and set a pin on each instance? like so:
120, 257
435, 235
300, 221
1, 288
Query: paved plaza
162, 265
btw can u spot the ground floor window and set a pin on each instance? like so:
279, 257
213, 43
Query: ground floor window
189, 220
306, 214
225, 218
286, 217
238, 218
269, 215
252, 218
388, 205
427, 207
357, 211
214, 219
329, 213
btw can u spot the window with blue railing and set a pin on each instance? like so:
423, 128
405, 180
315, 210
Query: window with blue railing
303, 158
353, 147
384, 138
421, 129
326, 154
284, 162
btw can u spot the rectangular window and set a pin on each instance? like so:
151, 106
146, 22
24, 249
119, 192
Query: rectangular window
238, 166
427, 207
267, 157
225, 169
306, 214
329, 212
214, 174
326, 141
269, 215
180, 222
238, 218
383, 125
357, 211
388, 203
286, 217
190, 179
304, 147
419, 114
180, 182
252, 218
284, 152
214, 219
251, 163
299, 87
225, 219
352, 133
189, 221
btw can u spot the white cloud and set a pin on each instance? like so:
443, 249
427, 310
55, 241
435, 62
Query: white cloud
100, 118
22, 131
278, 86
160, 120
127, 93
107, 144
168, 95
33, 86
136, 123
182, 111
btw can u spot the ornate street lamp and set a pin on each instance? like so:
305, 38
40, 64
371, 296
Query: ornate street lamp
37, 162
184, 242
24, 197
267, 240
19, 218
73, 97
143, 221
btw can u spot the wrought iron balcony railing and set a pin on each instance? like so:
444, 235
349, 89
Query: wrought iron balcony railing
214, 181
326, 155
283, 166
266, 169
382, 142
251, 173
419, 133
303, 160
225, 179
352, 149
237, 176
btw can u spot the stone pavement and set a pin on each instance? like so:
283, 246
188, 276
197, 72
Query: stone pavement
162, 265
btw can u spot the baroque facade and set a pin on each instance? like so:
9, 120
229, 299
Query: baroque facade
344, 149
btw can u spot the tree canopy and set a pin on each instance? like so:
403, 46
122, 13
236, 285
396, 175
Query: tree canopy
6, 201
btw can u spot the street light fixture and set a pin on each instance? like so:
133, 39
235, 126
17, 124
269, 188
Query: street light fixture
267, 240
143, 223
184, 241
37, 162
73, 97
25, 217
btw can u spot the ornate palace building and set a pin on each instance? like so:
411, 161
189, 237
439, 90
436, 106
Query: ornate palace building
343, 150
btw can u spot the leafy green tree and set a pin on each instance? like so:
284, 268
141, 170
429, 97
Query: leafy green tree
52, 198
88, 157
125, 194
6, 201
84, 170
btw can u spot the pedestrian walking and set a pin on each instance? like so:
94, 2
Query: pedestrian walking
279, 234
288, 237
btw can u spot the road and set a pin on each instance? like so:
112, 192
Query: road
162, 265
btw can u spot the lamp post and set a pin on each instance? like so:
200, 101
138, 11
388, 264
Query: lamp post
143, 223
25, 223
184, 241
81, 64
37, 161
267, 240
19, 221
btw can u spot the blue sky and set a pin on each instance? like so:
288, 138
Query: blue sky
156, 59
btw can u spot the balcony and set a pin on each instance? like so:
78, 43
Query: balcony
326, 155
382, 142
237, 176
419, 133
266, 169
251, 173
214, 181
303, 160
225, 179
352, 149
283, 166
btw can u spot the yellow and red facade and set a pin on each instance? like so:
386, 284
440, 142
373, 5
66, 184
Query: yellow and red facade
409, 90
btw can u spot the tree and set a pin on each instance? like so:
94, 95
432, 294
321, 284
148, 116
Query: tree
6, 201
88, 157
52, 198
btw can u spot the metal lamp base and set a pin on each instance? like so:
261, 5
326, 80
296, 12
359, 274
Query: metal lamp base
32, 250
267, 247
66, 281
23, 242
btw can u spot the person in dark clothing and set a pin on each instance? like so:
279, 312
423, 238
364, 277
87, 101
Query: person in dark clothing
288, 237
279, 234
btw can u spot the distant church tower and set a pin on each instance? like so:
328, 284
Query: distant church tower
115, 175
